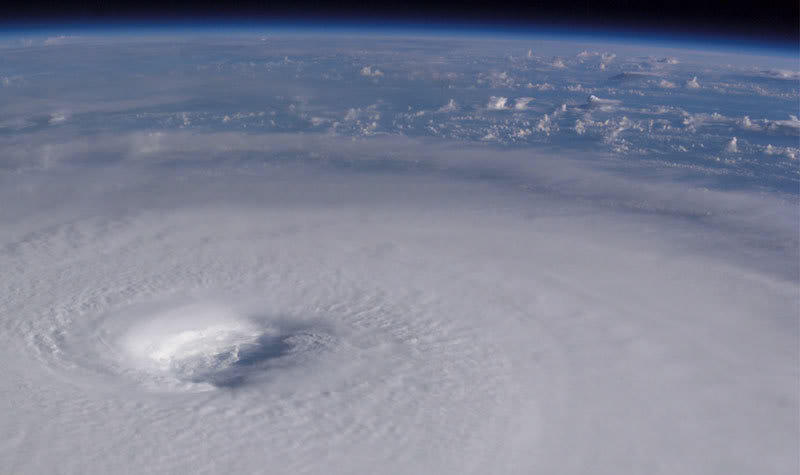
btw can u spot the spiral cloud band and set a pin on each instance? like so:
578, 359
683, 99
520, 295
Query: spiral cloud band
199, 301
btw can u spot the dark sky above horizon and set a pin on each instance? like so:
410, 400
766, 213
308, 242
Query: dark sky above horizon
765, 20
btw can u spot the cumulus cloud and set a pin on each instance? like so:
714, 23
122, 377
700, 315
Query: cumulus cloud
58, 117
580, 127
449, 107
790, 126
789, 152
522, 133
359, 121
497, 79
521, 103
547, 124
368, 71
607, 57
693, 83
732, 147
497, 103
594, 102
664, 84
544, 86
781, 74
604, 57
57, 40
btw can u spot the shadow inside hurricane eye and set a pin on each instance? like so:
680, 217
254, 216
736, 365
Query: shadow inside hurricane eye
265, 348
248, 361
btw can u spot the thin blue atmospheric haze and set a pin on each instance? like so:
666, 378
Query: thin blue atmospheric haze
731, 42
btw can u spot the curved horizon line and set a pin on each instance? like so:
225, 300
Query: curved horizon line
522, 29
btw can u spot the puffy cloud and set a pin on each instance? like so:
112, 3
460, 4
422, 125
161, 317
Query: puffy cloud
522, 133
58, 117
693, 83
546, 125
57, 40
788, 152
449, 107
497, 79
580, 127
497, 103
607, 57
781, 74
594, 102
541, 86
790, 126
604, 57
521, 103
732, 146
368, 71
664, 84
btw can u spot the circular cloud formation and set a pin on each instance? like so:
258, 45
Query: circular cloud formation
386, 337
210, 348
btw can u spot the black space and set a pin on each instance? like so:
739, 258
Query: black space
757, 20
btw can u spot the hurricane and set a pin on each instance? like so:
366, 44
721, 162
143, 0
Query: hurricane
268, 254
